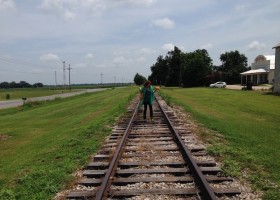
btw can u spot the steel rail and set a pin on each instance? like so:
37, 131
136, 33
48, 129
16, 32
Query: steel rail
107, 180
207, 192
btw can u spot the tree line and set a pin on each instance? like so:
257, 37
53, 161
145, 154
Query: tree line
21, 84
191, 69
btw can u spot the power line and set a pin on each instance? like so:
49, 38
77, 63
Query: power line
69, 77
86, 74
18, 62
64, 75
101, 77
55, 79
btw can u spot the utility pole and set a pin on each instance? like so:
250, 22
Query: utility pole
55, 78
64, 75
180, 76
115, 80
101, 77
69, 77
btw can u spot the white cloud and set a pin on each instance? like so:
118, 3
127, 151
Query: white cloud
7, 5
141, 59
60, 8
241, 7
37, 71
52, 4
124, 39
165, 23
140, 2
66, 8
95, 5
120, 53
89, 55
147, 51
99, 6
80, 65
207, 46
68, 15
119, 60
256, 45
168, 47
49, 57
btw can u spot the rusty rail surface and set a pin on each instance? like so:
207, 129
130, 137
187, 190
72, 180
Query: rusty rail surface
110, 171
106, 182
202, 183
207, 192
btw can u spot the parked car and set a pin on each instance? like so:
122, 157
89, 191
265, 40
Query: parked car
218, 85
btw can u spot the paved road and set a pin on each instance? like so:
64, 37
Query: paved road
15, 103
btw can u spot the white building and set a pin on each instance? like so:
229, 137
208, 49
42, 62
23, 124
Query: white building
262, 71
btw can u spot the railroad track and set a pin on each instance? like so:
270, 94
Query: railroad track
152, 160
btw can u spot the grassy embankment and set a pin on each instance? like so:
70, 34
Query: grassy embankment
29, 93
18, 93
250, 125
43, 144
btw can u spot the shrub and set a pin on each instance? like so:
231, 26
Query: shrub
8, 96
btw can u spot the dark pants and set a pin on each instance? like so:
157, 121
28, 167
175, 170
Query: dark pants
145, 110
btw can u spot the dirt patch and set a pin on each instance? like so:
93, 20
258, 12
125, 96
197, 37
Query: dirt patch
4, 137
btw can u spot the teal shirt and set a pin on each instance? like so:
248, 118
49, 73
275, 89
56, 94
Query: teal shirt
149, 95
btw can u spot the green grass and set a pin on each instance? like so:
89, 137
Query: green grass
28, 93
18, 93
46, 142
249, 123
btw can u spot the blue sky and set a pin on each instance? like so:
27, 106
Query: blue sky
120, 38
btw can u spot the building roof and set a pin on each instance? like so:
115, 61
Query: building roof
254, 71
278, 45
271, 58
261, 58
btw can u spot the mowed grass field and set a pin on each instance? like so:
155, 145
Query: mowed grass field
28, 93
19, 93
245, 132
41, 145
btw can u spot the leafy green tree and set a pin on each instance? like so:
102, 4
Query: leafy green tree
4, 85
21, 84
139, 79
197, 65
37, 85
24, 84
174, 62
13, 84
182, 69
159, 71
233, 63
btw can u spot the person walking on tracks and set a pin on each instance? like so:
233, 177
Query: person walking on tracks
148, 97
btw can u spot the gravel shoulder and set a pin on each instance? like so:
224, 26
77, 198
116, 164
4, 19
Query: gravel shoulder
239, 87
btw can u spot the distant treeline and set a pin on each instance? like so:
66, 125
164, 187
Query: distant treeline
21, 84
191, 69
